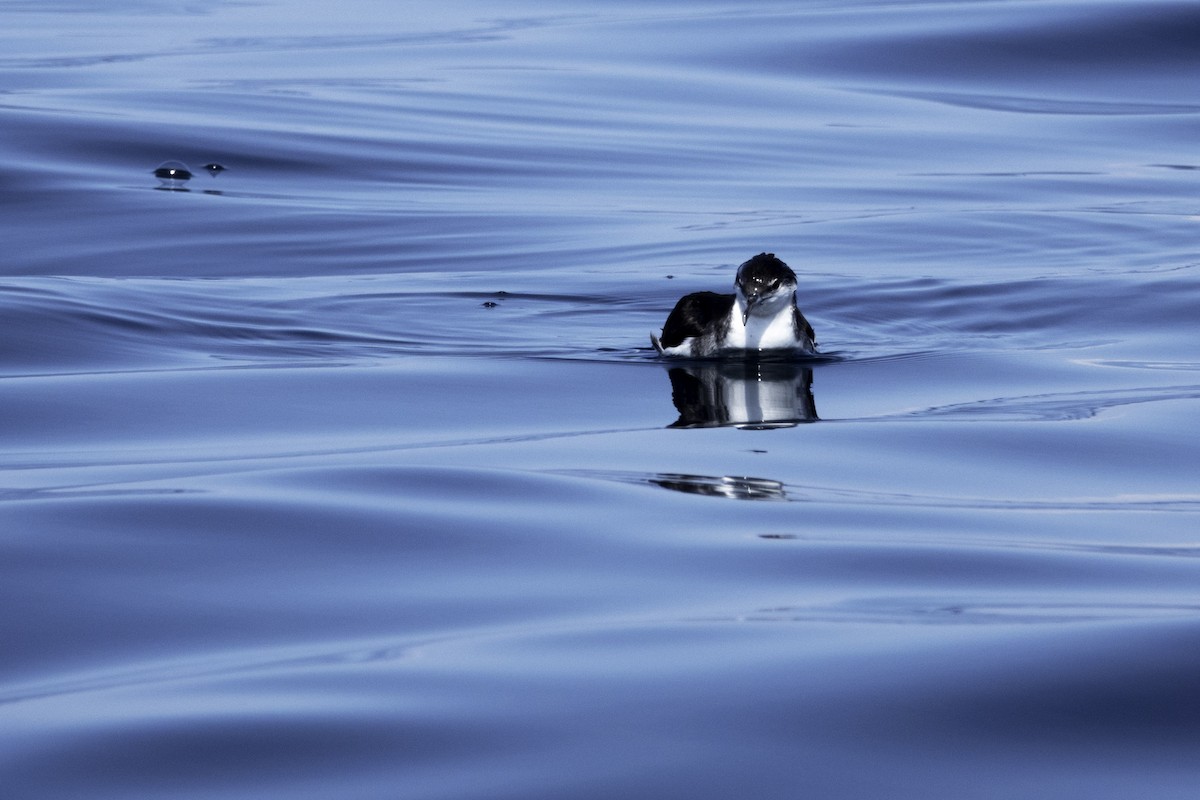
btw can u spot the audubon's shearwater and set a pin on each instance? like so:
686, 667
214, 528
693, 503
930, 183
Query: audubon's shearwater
760, 317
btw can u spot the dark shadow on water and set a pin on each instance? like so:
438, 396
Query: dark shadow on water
171, 187
751, 395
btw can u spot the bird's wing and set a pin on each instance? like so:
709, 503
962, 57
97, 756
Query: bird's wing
693, 315
802, 325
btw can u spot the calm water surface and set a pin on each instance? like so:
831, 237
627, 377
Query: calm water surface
348, 472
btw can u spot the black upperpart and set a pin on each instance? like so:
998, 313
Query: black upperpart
694, 315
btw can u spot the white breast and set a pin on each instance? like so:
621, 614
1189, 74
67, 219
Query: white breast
773, 331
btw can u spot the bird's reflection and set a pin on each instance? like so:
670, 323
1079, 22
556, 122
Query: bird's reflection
753, 395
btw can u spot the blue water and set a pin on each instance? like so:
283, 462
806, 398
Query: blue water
349, 472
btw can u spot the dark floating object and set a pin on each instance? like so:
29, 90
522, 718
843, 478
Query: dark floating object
214, 169
490, 304
173, 171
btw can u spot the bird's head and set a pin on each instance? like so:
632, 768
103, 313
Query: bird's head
764, 284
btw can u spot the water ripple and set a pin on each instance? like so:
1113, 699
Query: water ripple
737, 487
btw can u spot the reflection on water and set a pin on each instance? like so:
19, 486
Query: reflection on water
751, 395
728, 486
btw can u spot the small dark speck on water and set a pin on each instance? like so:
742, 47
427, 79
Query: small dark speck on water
214, 169
490, 304
173, 171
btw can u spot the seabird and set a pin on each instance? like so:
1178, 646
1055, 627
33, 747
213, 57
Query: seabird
760, 317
